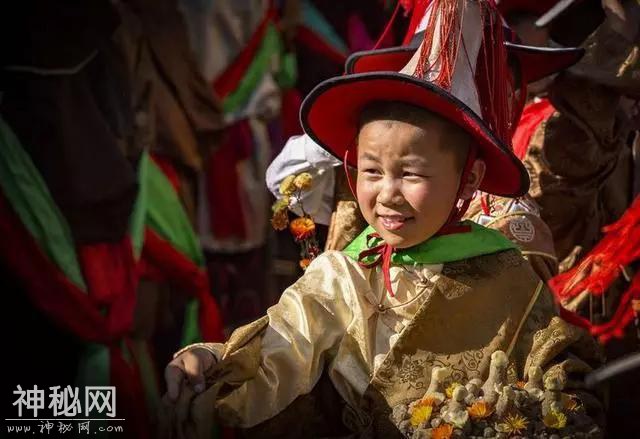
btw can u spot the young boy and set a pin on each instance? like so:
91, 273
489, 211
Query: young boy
359, 333
329, 200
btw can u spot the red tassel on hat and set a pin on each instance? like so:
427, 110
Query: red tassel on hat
449, 36
494, 80
491, 69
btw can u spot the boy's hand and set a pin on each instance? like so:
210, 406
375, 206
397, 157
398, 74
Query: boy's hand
188, 367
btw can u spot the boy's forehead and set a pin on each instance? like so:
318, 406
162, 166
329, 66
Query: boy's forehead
410, 132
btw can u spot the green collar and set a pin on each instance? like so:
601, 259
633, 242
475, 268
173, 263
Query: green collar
446, 248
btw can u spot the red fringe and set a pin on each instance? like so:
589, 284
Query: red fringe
492, 74
492, 70
450, 35
601, 267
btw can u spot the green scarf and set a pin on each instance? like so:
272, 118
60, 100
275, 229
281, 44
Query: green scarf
478, 241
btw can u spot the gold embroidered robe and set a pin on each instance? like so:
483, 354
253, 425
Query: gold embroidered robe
377, 351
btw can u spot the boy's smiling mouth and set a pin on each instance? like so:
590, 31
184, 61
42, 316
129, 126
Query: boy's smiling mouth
393, 222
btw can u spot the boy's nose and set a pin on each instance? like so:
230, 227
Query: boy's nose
390, 194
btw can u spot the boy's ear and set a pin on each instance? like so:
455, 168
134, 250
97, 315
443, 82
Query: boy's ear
473, 179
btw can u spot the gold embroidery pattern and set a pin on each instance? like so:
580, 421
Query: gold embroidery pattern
413, 372
472, 360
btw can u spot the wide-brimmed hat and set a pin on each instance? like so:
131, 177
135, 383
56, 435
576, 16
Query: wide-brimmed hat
459, 72
533, 62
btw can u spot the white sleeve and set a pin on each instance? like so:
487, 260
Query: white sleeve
301, 154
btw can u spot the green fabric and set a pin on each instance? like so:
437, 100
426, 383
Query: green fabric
139, 214
29, 196
149, 379
190, 328
271, 45
94, 370
441, 249
288, 74
93, 367
167, 217
157, 206
314, 20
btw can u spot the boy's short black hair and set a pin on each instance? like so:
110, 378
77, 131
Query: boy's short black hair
403, 112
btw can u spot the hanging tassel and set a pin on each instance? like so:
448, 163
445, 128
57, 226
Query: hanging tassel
601, 267
492, 74
445, 19
619, 247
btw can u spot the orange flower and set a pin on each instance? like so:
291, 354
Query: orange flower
520, 384
302, 228
429, 400
280, 219
572, 404
480, 410
304, 263
444, 431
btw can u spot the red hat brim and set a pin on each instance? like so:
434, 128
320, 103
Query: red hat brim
330, 116
535, 62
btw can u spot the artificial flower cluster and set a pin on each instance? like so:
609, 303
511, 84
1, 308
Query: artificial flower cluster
495, 409
303, 229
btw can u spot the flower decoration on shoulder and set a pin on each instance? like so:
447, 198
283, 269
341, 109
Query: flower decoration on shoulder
303, 228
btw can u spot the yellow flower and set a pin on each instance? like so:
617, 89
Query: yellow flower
282, 203
303, 181
556, 420
280, 219
287, 187
302, 228
304, 263
449, 390
444, 431
421, 413
480, 410
513, 424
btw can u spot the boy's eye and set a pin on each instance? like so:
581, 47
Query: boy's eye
411, 174
371, 171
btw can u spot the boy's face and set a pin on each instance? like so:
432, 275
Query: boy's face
408, 178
